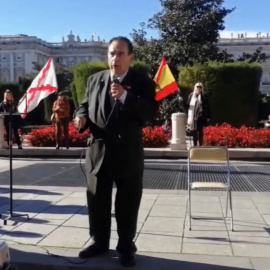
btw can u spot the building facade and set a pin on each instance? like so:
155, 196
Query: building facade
242, 43
17, 53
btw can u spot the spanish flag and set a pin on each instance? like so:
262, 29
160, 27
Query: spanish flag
165, 81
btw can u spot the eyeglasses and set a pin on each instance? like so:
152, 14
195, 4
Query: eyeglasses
198, 86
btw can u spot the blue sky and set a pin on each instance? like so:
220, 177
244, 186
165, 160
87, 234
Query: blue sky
50, 20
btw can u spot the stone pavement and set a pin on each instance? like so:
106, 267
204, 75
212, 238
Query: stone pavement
58, 225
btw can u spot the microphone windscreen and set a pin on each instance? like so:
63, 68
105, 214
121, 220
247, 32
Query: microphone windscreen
116, 79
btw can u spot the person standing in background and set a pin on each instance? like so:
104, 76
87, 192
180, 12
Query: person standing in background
198, 113
61, 111
9, 106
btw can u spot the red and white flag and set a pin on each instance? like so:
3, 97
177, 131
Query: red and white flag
42, 86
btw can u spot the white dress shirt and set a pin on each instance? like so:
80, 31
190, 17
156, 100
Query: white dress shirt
122, 98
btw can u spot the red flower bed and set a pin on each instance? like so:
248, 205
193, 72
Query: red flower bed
45, 136
226, 135
155, 137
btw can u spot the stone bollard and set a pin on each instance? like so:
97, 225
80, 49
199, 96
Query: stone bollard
2, 141
178, 141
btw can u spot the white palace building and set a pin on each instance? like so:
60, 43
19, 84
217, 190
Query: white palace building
18, 52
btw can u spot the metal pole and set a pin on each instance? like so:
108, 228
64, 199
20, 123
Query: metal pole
10, 163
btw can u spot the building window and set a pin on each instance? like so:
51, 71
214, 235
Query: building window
4, 57
18, 74
18, 56
266, 80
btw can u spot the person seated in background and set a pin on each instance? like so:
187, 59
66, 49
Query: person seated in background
267, 122
9, 106
61, 111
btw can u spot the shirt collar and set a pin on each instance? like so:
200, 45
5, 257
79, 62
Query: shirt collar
121, 77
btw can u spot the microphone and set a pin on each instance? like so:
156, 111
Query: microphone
116, 79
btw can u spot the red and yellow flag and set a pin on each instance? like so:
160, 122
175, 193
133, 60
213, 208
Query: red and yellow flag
165, 81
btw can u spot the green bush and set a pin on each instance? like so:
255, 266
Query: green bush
232, 88
82, 71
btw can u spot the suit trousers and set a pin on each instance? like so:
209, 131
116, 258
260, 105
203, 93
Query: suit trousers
127, 203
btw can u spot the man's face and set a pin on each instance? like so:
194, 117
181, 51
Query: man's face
118, 57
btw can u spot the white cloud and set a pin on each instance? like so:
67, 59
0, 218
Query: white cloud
228, 33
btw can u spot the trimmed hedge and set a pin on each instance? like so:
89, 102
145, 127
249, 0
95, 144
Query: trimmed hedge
232, 89
82, 71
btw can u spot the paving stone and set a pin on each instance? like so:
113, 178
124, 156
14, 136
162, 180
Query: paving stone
36, 220
50, 198
240, 203
206, 225
247, 215
204, 215
198, 206
58, 212
35, 206
168, 211
158, 243
251, 250
264, 209
207, 249
83, 211
143, 214
34, 228
242, 228
267, 219
260, 263
164, 226
261, 199
150, 196
147, 204
171, 200
206, 237
78, 195
113, 243
80, 221
198, 198
71, 202
250, 239
66, 237
28, 233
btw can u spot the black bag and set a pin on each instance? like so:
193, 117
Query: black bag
190, 132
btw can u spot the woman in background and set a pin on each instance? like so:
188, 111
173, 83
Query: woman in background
198, 113
61, 110
9, 106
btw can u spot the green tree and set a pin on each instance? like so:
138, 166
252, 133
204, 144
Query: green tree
258, 56
188, 33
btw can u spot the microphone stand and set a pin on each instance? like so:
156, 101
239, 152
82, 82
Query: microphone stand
11, 214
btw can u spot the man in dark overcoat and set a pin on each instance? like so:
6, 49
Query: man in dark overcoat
116, 105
